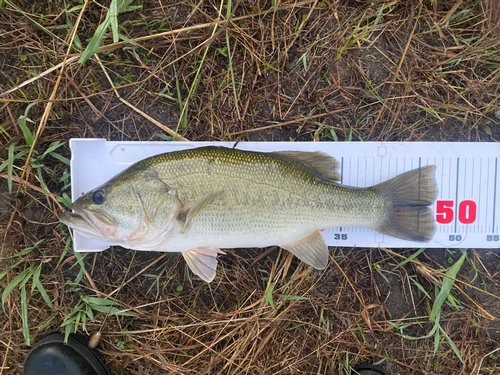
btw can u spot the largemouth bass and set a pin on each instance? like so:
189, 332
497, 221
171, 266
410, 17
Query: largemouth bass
199, 201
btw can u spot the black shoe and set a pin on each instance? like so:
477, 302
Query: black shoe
51, 356
368, 369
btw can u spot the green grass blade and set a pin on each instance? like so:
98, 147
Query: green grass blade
229, 56
183, 117
46, 324
29, 136
269, 295
67, 331
89, 312
82, 268
28, 276
104, 305
446, 288
453, 346
126, 7
65, 199
76, 39
15, 281
77, 320
75, 8
95, 41
61, 158
15, 265
419, 286
27, 250
437, 338
94, 301
24, 316
113, 18
5, 132
36, 277
3, 165
130, 41
10, 166
67, 246
42, 184
430, 334
410, 258
44, 294
232, 74
52, 147
84, 322
334, 135
292, 298
17, 156
111, 310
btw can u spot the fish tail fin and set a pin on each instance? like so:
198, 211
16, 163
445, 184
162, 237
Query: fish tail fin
408, 215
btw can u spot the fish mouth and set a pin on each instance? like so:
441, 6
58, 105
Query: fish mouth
88, 225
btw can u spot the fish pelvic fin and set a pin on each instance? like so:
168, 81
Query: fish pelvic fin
202, 261
407, 213
311, 250
324, 166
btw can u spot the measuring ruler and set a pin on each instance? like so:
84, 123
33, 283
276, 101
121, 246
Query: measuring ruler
467, 209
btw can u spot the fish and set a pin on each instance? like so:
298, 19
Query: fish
201, 200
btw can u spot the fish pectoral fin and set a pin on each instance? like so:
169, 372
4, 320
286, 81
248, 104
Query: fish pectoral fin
203, 261
325, 166
311, 250
199, 205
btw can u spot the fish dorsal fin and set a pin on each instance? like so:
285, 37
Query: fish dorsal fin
311, 250
203, 261
199, 205
325, 166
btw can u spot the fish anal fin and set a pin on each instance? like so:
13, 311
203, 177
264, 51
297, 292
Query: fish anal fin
311, 250
325, 165
202, 261
199, 205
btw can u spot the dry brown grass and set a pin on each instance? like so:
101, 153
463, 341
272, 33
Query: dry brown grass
303, 70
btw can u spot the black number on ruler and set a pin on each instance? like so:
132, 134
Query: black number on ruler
455, 237
494, 237
339, 236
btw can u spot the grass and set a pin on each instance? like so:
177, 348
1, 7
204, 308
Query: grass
290, 71
443, 293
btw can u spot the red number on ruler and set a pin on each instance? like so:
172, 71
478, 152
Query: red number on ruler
467, 211
444, 212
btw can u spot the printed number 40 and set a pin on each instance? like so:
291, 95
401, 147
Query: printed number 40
467, 211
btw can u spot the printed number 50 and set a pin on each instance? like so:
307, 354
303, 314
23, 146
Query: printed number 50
467, 211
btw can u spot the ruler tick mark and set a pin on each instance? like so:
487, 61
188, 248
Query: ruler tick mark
341, 175
456, 195
494, 195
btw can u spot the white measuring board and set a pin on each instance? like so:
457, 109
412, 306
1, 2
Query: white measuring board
467, 209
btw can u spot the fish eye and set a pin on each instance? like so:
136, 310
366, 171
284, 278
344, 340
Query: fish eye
98, 197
